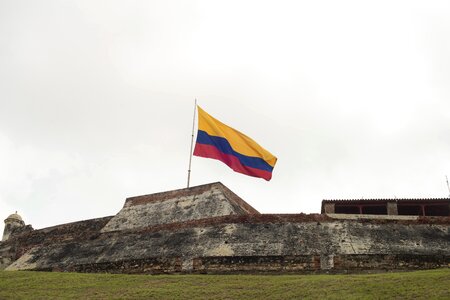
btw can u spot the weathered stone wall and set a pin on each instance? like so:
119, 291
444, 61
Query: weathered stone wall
387, 262
257, 245
21, 243
178, 206
350, 263
257, 264
7, 255
208, 229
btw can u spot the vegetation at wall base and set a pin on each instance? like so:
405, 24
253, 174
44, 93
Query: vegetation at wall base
430, 284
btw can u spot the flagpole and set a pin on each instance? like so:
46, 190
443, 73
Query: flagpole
192, 144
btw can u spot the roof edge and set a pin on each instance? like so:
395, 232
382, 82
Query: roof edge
238, 200
191, 191
384, 200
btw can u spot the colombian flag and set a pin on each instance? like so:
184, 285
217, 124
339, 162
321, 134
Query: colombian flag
219, 141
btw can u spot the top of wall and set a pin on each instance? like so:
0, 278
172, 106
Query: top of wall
384, 200
200, 202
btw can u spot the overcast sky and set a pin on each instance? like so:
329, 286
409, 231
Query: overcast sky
97, 98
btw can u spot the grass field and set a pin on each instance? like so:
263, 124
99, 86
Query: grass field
433, 284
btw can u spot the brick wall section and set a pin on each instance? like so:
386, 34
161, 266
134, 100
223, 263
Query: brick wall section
356, 262
300, 264
154, 265
312, 264
257, 264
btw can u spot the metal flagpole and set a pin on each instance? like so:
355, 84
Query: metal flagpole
192, 144
448, 186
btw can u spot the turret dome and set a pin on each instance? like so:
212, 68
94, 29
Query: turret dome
12, 222
15, 217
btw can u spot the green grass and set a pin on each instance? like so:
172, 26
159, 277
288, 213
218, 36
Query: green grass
433, 284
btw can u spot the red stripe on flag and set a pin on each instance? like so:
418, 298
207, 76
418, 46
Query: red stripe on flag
232, 161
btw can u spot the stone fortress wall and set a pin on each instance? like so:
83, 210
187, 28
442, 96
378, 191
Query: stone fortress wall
209, 229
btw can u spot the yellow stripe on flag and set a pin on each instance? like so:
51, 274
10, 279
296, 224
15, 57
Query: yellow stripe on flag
238, 141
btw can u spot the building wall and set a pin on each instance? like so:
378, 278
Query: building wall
411, 207
252, 244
